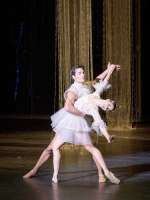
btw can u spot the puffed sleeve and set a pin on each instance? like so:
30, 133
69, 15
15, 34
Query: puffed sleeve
72, 89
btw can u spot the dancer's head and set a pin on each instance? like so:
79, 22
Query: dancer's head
77, 73
108, 105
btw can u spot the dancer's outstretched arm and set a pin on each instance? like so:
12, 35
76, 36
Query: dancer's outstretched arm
108, 72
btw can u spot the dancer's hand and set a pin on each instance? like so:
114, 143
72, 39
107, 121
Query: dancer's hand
113, 66
118, 68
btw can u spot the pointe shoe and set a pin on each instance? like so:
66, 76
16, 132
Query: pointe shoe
54, 180
102, 179
30, 174
112, 178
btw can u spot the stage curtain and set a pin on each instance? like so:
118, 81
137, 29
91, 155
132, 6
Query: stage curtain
117, 46
73, 41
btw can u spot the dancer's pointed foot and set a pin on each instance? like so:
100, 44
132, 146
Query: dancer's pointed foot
112, 177
54, 179
102, 178
30, 174
111, 139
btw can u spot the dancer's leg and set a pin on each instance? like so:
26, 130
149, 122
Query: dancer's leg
104, 131
96, 153
43, 158
97, 122
100, 173
56, 156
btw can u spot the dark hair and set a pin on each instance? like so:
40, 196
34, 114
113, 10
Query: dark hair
73, 69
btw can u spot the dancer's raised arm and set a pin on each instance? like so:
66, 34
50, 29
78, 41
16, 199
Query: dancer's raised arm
104, 73
108, 72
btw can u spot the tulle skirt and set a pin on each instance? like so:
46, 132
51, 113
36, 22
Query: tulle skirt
71, 128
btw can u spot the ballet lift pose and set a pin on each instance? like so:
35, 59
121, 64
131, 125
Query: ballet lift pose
70, 126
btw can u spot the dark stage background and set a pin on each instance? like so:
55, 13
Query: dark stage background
30, 58
27, 76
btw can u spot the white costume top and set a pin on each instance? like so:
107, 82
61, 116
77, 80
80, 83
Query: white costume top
78, 89
70, 127
88, 101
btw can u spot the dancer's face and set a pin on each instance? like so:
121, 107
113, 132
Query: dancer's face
107, 105
79, 75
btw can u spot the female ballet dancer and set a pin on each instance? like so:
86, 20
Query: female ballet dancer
70, 126
90, 103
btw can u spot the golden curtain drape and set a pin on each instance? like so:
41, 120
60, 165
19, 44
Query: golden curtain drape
117, 49
74, 46
73, 39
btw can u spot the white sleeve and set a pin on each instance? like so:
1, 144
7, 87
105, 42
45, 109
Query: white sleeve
71, 89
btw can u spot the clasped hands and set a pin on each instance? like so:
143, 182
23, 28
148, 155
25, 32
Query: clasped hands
113, 66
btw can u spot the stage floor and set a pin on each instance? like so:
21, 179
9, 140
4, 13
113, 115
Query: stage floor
128, 157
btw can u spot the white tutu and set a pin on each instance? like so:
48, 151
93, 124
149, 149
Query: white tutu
72, 128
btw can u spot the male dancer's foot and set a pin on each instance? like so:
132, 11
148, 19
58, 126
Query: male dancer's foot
30, 174
102, 178
54, 179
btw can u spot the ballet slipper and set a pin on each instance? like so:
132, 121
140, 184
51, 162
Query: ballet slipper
112, 178
102, 179
54, 179
30, 174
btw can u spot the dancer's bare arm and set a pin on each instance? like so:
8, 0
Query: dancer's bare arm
69, 104
108, 72
104, 73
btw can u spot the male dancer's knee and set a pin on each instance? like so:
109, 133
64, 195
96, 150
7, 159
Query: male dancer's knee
88, 147
47, 151
55, 150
